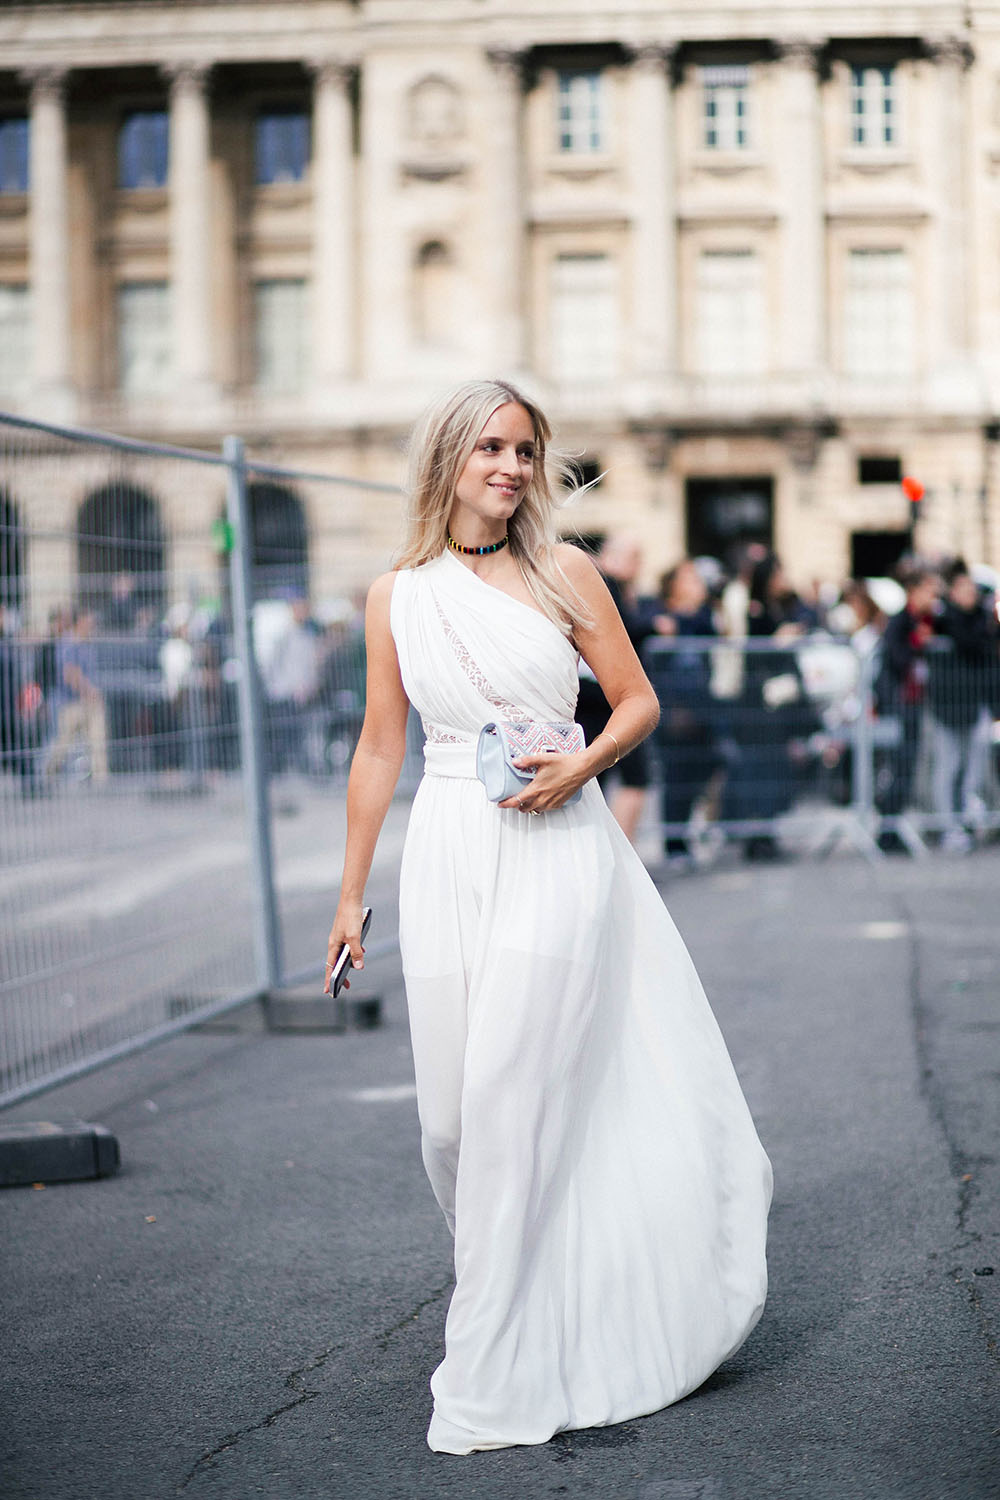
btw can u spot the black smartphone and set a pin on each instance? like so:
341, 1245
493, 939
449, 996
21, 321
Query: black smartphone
342, 968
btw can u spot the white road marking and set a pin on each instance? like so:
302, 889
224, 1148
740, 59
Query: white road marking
883, 931
390, 1093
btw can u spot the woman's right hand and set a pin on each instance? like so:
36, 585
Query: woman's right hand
346, 929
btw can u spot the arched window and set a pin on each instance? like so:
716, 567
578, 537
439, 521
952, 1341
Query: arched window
280, 540
120, 553
434, 295
11, 554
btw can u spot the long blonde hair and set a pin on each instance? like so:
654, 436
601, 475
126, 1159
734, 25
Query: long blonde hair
440, 447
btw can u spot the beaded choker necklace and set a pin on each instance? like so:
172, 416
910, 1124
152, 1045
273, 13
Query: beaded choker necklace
476, 551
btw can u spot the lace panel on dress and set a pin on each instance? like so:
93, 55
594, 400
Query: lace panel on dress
472, 670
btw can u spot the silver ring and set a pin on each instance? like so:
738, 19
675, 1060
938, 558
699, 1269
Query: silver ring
534, 811
520, 804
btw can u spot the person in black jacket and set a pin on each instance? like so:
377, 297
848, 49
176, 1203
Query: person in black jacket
773, 717
686, 736
620, 561
962, 660
900, 694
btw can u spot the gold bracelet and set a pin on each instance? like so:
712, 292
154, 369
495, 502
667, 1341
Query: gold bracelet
618, 748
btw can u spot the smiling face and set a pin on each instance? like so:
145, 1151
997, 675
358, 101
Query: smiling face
495, 477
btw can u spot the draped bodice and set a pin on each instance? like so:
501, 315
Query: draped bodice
470, 653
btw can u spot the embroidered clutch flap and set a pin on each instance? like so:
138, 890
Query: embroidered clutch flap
500, 745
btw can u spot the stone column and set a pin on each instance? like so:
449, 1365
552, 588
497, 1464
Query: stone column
49, 244
504, 196
951, 271
802, 314
190, 232
654, 330
333, 275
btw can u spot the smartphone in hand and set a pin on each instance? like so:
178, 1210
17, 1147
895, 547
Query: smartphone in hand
342, 968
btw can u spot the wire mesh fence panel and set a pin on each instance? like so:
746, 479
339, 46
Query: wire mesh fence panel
124, 883
308, 605
130, 891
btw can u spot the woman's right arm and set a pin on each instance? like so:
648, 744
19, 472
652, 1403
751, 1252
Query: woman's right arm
375, 769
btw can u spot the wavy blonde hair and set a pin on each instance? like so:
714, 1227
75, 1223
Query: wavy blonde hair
440, 447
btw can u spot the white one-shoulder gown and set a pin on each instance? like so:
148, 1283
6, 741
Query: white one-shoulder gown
582, 1126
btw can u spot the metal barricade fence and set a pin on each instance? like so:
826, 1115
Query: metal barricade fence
804, 742
181, 669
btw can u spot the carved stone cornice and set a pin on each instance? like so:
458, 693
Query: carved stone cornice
47, 84
333, 72
187, 76
510, 63
949, 51
653, 56
800, 52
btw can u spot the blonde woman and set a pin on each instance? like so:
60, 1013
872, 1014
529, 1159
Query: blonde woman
582, 1126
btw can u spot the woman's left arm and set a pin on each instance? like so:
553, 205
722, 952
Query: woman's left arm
607, 650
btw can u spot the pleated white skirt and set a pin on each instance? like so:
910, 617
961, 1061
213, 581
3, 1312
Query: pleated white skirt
582, 1126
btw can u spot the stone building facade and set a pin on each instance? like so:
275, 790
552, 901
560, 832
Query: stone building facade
745, 254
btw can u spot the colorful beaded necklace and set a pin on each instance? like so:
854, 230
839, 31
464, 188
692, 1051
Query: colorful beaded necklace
476, 551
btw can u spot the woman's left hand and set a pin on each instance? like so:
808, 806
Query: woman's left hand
556, 778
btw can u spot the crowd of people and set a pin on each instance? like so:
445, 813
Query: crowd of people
119, 685
743, 733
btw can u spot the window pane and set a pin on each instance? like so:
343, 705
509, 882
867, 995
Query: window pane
14, 155
144, 338
726, 106
873, 106
281, 146
143, 151
280, 336
585, 317
878, 313
730, 329
15, 339
581, 125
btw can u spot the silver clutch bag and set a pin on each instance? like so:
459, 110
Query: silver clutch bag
500, 744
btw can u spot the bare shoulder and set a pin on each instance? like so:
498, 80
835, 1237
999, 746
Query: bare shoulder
578, 567
380, 592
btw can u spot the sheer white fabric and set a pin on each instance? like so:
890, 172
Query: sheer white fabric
582, 1126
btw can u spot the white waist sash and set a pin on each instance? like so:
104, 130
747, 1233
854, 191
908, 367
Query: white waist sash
450, 760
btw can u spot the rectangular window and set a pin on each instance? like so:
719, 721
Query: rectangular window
878, 313
730, 320
878, 469
874, 107
725, 92
281, 146
144, 363
15, 340
581, 124
585, 323
280, 336
143, 149
14, 135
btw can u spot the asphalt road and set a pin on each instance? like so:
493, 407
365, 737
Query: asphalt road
254, 1305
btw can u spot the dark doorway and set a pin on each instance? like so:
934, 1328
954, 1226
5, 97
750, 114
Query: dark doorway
877, 554
280, 541
120, 553
724, 514
11, 554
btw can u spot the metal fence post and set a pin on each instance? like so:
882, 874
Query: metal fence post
267, 935
863, 749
